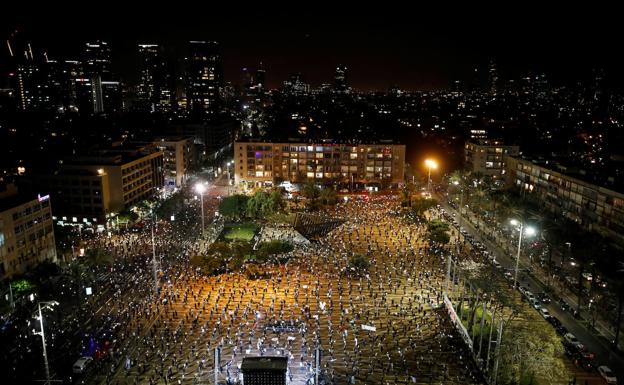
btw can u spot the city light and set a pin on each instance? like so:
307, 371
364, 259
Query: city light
200, 188
432, 164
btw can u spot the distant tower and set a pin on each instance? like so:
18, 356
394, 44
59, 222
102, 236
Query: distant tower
261, 77
340, 79
204, 77
493, 78
105, 91
154, 91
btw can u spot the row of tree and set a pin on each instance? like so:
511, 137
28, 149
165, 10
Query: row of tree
223, 257
258, 206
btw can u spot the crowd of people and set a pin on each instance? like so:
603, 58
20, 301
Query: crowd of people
382, 325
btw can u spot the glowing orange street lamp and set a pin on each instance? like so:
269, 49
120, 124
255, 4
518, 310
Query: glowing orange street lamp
431, 164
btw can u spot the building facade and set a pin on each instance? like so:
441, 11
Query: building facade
320, 162
89, 189
80, 196
595, 208
178, 158
154, 91
26, 233
204, 77
488, 157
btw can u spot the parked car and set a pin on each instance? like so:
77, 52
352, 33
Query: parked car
544, 312
543, 297
607, 374
564, 305
81, 364
571, 340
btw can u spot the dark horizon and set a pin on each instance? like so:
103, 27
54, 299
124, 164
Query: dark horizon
381, 48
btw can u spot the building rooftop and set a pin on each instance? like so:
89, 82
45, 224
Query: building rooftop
609, 177
265, 363
116, 155
489, 142
318, 141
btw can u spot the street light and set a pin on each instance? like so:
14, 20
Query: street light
461, 201
528, 231
49, 305
431, 164
200, 188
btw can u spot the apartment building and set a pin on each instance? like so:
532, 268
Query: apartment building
26, 232
568, 192
178, 158
488, 157
263, 162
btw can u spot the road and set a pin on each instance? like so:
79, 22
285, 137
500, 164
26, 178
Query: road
603, 351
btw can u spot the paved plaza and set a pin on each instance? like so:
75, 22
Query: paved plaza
314, 300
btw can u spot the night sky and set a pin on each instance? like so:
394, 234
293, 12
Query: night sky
409, 47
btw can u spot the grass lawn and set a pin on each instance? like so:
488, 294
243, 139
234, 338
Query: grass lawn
243, 231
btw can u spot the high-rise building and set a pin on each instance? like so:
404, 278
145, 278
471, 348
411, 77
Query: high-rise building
97, 59
178, 158
105, 89
295, 85
261, 77
340, 79
155, 91
204, 78
493, 78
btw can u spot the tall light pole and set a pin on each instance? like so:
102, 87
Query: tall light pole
154, 263
48, 304
529, 231
200, 188
431, 164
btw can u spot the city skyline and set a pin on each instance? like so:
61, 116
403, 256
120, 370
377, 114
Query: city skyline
380, 50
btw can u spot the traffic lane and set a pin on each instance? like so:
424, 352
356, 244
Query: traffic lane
603, 352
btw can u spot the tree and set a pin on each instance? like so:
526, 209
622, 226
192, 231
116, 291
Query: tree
328, 196
586, 253
528, 352
272, 248
310, 190
420, 205
234, 206
438, 232
359, 263
619, 290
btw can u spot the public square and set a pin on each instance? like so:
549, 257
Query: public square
315, 298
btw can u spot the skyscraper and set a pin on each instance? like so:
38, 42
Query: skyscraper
340, 79
105, 90
493, 78
155, 90
204, 78
97, 59
261, 77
